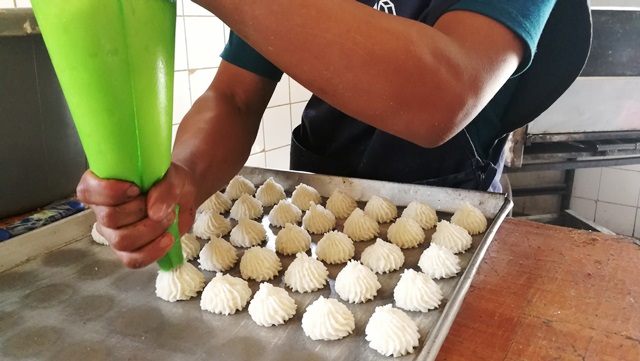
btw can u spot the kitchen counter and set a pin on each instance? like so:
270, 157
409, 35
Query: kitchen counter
551, 293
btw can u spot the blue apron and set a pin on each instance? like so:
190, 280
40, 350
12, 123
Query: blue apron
331, 142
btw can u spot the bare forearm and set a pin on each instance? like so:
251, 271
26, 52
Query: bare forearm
395, 74
213, 142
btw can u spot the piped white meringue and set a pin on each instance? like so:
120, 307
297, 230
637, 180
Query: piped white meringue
306, 274
341, 204
406, 233
382, 257
247, 233
318, 220
246, 207
381, 209
439, 262
327, 319
271, 306
303, 195
421, 213
180, 283
452, 236
356, 283
335, 247
225, 295
470, 218
270, 193
260, 264
284, 212
217, 255
238, 186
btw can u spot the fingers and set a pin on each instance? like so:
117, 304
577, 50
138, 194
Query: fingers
177, 187
122, 215
148, 254
135, 225
136, 236
105, 192
164, 195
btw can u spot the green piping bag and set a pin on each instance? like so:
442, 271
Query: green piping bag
114, 60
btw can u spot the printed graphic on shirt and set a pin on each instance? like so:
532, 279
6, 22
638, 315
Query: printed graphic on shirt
411, 9
386, 6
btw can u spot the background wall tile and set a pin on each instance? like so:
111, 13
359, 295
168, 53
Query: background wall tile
584, 207
586, 183
205, 41
277, 127
23, 3
205, 36
617, 218
298, 92
174, 131
281, 94
278, 158
256, 160
181, 96
619, 186
7, 4
296, 114
226, 33
191, 9
200, 80
636, 233
181, 46
258, 144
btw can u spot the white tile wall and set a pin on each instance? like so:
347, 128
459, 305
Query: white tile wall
278, 158
258, 144
281, 94
610, 197
298, 92
256, 160
200, 80
7, 4
277, 127
587, 182
200, 38
584, 207
296, 113
618, 218
205, 41
181, 95
619, 186
191, 8
181, 46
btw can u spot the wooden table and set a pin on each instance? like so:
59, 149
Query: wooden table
551, 293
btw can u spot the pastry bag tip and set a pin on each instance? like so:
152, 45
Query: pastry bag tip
174, 257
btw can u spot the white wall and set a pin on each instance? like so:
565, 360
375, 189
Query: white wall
200, 38
610, 197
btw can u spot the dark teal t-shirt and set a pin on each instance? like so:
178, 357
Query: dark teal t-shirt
526, 18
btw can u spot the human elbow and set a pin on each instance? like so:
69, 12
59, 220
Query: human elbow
434, 128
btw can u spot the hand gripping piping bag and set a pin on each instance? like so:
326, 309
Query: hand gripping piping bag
115, 63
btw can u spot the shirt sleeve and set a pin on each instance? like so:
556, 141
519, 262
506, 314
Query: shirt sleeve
241, 54
526, 18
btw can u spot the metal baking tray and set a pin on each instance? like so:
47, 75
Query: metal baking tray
64, 297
